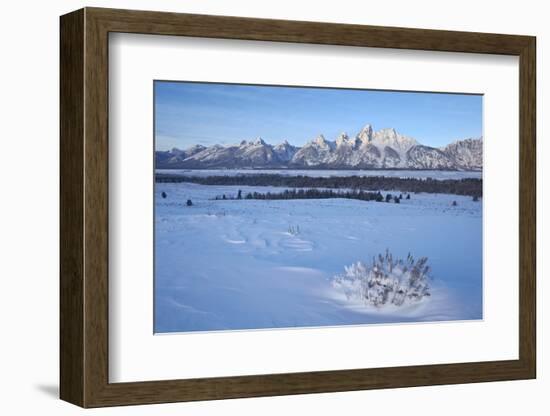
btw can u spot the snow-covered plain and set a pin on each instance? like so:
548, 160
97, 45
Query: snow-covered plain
420, 174
252, 264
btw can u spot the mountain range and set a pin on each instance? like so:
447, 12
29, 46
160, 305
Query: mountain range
369, 149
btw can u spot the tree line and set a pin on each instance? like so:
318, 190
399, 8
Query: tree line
316, 194
468, 186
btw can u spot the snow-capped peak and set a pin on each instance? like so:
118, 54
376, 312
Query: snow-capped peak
195, 147
342, 139
365, 135
283, 144
320, 141
388, 132
258, 141
391, 138
463, 141
285, 151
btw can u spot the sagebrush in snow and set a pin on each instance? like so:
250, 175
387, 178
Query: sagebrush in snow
386, 280
292, 230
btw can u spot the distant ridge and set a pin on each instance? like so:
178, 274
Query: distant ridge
369, 149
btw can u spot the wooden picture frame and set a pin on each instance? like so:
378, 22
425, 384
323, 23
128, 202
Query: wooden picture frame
84, 207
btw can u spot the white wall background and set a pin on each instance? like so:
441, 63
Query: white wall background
29, 209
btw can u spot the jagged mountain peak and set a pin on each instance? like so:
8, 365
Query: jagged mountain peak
388, 132
320, 140
365, 135
467, 153
391, 138
284, 151
248, 143
343, 139
466, 140
259, 141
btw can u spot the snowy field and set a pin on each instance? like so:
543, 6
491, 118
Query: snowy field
420, 174
252, 264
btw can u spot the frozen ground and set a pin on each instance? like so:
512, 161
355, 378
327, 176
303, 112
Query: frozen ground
239, 264
434, 174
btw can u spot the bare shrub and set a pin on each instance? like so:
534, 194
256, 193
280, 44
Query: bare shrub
294, 230
386, 280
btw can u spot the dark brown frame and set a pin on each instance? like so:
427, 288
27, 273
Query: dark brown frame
84, 207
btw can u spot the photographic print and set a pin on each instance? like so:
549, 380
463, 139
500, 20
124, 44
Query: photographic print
295, 207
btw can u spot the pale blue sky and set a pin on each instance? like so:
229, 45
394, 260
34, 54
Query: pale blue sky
205, 113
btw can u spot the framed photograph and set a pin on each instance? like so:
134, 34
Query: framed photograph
255, 207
